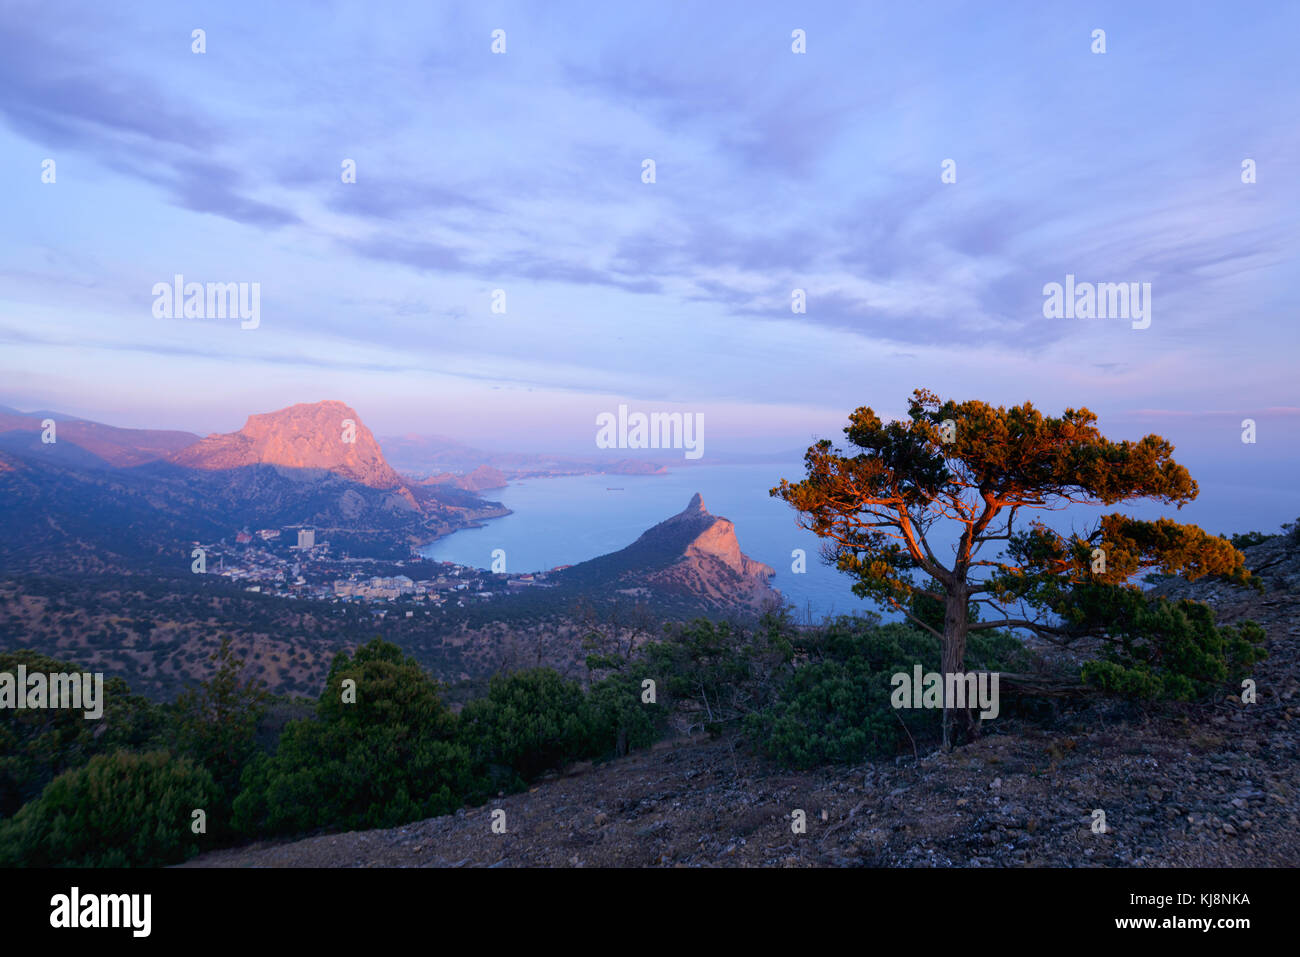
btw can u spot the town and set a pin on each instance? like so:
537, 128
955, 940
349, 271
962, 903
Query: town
290, 563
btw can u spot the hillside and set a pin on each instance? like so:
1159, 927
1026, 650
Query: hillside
692, 557
85, 443
78, 543
1213, 785
481, 478
70, 509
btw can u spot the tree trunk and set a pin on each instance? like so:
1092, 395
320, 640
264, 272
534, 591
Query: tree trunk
955, 625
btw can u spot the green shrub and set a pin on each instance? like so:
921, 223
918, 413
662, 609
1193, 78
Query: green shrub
620, 720
1173, 650
216, 726
835, 706
719, 672
1242, 540
37, 745
389, 758
120, 810
527, 723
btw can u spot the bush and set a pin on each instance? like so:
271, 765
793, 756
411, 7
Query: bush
216, 726
1174, 651
835, 706
620, 720
120, 810
1242, 540
386, 759
38, 745
527, 723
719, 672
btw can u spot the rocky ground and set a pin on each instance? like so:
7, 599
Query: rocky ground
1213, 785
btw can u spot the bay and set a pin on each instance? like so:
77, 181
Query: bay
566, 520
569, 519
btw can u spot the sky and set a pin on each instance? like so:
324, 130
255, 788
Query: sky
774, 171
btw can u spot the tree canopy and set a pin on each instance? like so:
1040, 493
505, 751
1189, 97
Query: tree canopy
987, 473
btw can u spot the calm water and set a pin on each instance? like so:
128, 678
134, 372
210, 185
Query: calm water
563, 521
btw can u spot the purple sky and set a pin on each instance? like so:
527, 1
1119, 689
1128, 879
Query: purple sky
775, 171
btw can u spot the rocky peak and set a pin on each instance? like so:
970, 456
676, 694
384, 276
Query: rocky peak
694, 519
693, 553
326, 436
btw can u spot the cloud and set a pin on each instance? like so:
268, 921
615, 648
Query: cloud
395, 200
421, 255
776, 172
58, 92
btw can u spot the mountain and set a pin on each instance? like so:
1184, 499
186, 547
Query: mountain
693, 558
307, 438
58, 518
80, 442
483, 477
434, 455
316, 465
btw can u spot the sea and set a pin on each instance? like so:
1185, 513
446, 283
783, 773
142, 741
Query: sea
569, 519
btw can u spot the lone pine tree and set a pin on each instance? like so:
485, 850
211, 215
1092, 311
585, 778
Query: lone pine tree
972, 468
